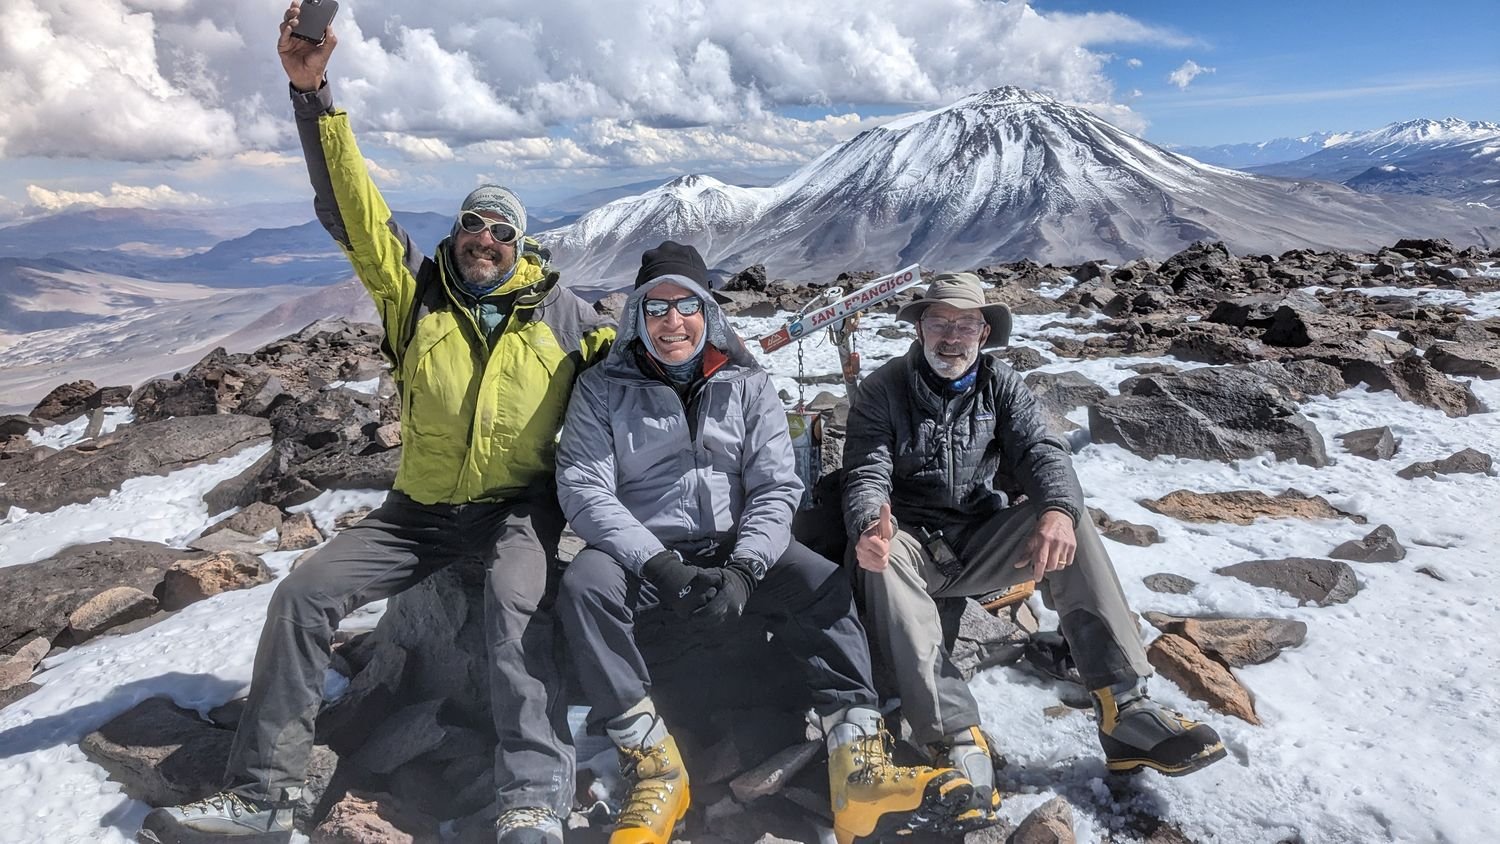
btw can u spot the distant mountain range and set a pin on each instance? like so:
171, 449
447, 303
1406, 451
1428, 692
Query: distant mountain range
1457, 159
1247, 155
164, 247
998, 176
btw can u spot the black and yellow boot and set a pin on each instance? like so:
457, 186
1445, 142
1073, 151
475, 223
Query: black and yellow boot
658, 797
968, 752
873, 797
1139, 733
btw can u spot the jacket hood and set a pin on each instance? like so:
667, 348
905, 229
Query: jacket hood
719, 333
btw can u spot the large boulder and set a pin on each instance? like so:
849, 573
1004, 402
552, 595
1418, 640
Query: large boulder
36, 599
1236, 642
1415, 380
421, 682
1309, 580
1470, 461
326, 442
190, 581
161, 754
1200, 677
95, 468
292, 369
74, 399
1213, 413
1478, 360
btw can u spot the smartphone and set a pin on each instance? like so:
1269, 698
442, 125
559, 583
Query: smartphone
313, 19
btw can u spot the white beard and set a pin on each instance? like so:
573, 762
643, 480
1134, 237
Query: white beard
950, 368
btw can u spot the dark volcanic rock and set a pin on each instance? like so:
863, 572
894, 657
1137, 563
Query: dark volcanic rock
66, 402
1309, 580
161, 754
1294, 326
750, 279
295, 367
95, 468
37, 598
1168, 584
324, 443
1480, 361
1371, 443
1469, 461
1415, 380
1128, 533
1063, 392
1213, 413
1023, 358
17, 425
1379, 546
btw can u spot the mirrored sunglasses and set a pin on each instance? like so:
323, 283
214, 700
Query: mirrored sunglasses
500, 230
965, 328
687, 306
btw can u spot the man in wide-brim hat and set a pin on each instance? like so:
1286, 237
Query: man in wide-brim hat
935, 437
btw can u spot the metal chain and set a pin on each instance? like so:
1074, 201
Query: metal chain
801, 379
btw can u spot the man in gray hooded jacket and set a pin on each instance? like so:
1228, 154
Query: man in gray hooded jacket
675, 467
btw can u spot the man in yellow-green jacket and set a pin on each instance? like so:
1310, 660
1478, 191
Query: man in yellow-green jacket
485, 345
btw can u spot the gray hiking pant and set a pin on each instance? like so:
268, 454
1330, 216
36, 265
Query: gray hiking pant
805, 600
387, 552
903, 615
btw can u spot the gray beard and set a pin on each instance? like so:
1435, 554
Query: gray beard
947, 370
474, 276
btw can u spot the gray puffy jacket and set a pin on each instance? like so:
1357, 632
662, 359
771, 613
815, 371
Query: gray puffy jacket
944, 463
634, 476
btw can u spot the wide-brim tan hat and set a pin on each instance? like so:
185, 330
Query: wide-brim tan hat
966, 291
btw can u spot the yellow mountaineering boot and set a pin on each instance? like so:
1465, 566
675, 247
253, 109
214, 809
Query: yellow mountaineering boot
968, 752
873, 797
658, 797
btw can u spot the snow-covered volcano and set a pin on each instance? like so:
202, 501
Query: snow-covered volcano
1000, 175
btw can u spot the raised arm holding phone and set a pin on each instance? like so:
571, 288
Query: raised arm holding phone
485, 344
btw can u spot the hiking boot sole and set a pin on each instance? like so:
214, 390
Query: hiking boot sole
193, 836
1209, 756
944, 801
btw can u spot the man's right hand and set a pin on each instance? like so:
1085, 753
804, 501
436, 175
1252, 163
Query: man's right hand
305, 63
680, 587
873, 550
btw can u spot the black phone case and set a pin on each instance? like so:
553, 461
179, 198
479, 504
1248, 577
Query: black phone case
313, 19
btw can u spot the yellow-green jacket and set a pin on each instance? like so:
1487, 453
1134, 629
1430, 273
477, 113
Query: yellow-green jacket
479, 416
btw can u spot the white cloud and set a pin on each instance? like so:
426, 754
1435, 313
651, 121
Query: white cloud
1133, 63
415, 148
119, 196
1184, 76
148, 80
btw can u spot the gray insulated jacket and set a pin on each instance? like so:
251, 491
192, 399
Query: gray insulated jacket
635, 477
943, 463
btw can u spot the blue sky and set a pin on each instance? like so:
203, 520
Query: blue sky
181, 103
1283, 69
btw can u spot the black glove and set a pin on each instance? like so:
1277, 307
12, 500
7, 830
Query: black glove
735, 580
680, 587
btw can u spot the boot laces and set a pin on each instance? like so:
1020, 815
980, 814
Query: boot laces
526, 817
648, 796
872, 755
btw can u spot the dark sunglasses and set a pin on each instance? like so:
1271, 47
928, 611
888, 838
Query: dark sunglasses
500, 230
687, 306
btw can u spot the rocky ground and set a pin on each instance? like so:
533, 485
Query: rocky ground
404, 750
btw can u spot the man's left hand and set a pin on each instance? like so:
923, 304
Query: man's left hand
1051, 546
736, 581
